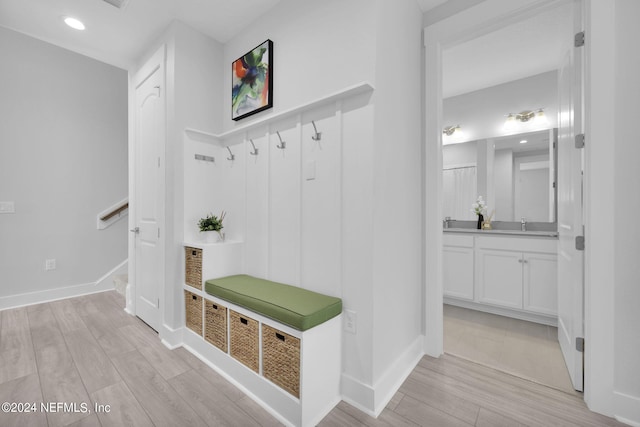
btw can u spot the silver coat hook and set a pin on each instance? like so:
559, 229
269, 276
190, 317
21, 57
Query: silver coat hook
318, 135
283, 144
231, 157
255, 150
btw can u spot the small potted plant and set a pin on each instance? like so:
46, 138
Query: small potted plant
212, 226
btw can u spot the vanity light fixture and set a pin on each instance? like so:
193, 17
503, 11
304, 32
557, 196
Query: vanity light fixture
450, 130
541, 117
524, 141
525, 116
74, 23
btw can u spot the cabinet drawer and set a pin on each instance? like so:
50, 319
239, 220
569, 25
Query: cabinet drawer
457, 240
520, 244
281, 359
244, 340
215, 324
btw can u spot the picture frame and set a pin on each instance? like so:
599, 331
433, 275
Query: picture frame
252, 81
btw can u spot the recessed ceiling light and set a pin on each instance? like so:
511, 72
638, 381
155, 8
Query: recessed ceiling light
524, 141
74, 23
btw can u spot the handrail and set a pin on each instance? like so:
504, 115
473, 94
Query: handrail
112, 214
115, 212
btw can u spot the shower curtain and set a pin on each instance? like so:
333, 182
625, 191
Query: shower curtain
459, 191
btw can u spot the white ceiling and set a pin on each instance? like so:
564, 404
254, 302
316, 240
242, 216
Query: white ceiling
521, 50
120, 36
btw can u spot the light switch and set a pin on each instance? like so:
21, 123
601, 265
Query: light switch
310, 171
7, 207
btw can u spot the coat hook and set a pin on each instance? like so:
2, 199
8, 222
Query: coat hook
283, 144
231, 157
318, 135
255, 150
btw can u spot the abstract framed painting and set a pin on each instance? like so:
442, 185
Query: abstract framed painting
252, 81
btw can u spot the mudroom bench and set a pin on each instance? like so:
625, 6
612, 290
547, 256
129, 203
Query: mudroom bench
280, 344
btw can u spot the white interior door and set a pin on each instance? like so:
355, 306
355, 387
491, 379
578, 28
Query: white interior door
149, 134
570, 215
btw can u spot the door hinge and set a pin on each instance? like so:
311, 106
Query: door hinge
580, 243
578, 39
579, 140
158, 161
580, 344
158, 303
158, 233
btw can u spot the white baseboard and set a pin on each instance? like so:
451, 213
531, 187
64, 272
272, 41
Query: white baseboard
627, 409
373, 399
104, 283
171, 338
358, 394
502, 311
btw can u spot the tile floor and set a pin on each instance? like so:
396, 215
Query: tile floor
525, 349
87, 349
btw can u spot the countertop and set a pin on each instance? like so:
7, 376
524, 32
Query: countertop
502, 232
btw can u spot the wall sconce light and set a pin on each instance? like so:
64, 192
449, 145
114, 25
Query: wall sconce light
450, 130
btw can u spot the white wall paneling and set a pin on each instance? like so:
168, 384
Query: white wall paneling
257, 206
285, 188
292, 197
321, 206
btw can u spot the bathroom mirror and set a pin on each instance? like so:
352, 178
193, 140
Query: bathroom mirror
514, 174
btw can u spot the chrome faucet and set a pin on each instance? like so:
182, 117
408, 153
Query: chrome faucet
445, 223
523, 224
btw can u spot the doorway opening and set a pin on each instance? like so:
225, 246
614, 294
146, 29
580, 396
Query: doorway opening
508, 89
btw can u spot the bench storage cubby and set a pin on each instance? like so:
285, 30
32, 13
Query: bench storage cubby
245, 346
280, 344
215, 328
281, 359
193, 311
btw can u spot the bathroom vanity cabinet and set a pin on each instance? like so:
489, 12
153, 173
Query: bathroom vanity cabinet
511, 275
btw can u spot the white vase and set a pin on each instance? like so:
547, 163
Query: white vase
210, 236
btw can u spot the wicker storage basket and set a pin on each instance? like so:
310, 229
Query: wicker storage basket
193, 267
193, 312
244, 340
215, 328
281, 359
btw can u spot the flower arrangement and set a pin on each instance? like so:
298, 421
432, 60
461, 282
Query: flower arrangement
479, 207
212, 223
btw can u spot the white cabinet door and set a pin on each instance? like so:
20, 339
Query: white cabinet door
457, 272
540, 283
499, 278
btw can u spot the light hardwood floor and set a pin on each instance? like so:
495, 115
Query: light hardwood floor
88, 350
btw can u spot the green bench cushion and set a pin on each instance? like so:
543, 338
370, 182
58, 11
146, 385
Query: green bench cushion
296, 307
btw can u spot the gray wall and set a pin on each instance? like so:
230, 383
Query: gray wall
63, 160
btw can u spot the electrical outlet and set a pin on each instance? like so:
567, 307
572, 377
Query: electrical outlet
350, 320
7, 207
50, 264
